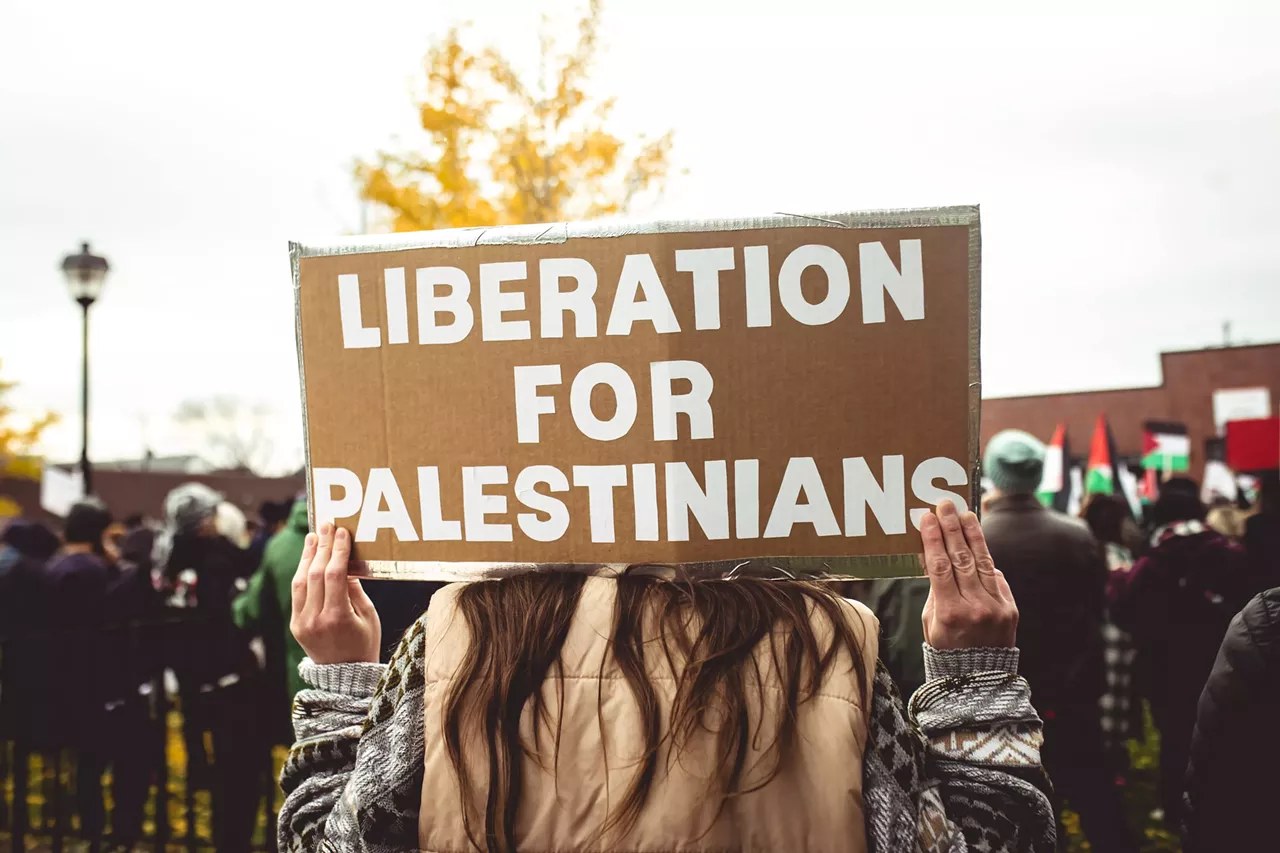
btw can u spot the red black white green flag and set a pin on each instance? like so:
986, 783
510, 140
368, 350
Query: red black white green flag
1055, 484
1166, 447
1100, 477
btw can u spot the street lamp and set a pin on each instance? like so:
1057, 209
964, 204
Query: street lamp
86, 273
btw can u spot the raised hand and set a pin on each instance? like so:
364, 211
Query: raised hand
970, 604
333, 620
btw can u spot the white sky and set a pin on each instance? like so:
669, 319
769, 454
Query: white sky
1126, 164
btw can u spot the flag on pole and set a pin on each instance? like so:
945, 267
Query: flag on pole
1054, 488
1099, 475
1166, 447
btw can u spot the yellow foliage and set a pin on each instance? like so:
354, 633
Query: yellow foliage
17, 443
502, 152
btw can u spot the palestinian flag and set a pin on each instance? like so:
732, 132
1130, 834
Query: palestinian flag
1165, 447
1054, 488
1100, 478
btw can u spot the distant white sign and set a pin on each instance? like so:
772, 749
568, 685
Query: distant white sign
1240, 404
59, 490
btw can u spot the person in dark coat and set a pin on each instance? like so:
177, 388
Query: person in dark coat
1232, 784
217, 670
1262, 531
25, 548
1176, 603
1058, 575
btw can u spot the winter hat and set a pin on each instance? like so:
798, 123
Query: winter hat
1014, 462
185, 509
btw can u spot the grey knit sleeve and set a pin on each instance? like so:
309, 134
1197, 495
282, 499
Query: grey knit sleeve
353, 778
961, 771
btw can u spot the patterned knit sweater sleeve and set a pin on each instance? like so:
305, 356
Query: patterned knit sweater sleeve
960, 770
353, 780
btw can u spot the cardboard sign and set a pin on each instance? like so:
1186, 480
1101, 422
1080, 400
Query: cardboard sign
792, 388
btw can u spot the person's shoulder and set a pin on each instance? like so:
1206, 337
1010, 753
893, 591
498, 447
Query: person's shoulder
1067, 528
1261, 620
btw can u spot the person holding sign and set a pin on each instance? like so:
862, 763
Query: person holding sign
651, 709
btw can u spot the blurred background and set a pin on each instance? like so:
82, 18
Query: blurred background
155, 158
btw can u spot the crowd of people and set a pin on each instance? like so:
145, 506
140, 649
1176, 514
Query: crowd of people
1118, 611
1114, 614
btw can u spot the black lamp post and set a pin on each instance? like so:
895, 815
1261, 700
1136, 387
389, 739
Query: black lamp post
86, 273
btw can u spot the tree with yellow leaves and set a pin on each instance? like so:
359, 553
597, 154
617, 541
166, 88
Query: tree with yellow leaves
17, 446
503, 152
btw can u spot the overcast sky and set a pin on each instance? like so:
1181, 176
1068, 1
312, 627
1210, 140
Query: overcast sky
1128, 168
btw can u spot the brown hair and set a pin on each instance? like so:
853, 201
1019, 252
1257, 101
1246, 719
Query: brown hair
713, 626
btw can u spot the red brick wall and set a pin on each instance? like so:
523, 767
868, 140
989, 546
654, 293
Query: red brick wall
1186, 396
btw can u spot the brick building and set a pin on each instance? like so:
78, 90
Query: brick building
1186, 393
129, 492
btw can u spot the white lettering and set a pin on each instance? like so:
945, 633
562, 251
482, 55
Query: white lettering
706, 266
759, 301
477, 506
746, 498
696, 402
494, 302
878, 274
624, 391
600, 481
382, 486
355, 335
397, 306
938, 468
430, 304
529, 405
801, 479
644, 490
552, 527
328, 508
861, 491
792, 294
555, 302
639, 274
434, 526
685, 496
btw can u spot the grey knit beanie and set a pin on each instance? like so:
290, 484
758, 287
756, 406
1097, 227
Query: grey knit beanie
1014, 462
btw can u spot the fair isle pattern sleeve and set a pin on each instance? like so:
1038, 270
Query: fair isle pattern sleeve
962, 771
354, 776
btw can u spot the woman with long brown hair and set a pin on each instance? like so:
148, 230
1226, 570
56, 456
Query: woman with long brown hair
655, 710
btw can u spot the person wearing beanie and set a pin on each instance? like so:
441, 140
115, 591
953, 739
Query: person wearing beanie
1058, 574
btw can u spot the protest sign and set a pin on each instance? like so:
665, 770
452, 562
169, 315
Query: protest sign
794, 388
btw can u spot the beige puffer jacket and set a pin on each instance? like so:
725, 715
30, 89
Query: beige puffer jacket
815, 802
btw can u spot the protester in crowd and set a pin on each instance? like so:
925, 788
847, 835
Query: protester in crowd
95, 702
1177, 602
898, 603
265, 602
1226, 517
77, 577
272, 518
263, 609
1112, 524
25, 547
1262, 531
517, 701
216, 668
1232, 786
1058, 575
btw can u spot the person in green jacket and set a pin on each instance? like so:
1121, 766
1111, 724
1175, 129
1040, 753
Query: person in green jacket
266, 603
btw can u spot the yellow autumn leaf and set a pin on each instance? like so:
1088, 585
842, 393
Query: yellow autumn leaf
501, 148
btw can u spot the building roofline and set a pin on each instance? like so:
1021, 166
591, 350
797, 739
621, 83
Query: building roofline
1263, 345
1131, 388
